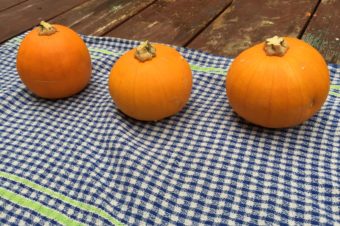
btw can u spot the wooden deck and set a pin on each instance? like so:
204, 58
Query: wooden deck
222, 27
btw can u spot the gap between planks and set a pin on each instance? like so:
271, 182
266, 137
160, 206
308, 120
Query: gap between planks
28, 14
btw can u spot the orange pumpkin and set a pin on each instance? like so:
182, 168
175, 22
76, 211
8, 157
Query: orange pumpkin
150, 82
53, 61
279, 83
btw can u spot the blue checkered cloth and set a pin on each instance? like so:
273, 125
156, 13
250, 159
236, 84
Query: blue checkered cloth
79, 161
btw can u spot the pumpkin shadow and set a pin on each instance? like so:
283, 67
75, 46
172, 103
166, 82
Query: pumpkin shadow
251, 126
132, 121
36, 97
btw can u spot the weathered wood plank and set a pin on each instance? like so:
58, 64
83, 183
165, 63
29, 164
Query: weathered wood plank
26, 15
323, 31
98, 17
5, 4
171, 21
245, 23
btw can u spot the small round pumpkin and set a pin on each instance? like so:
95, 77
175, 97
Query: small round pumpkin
279, 83
150, 82
53, 61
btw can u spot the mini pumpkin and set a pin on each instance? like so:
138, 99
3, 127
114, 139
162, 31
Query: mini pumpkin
150, 82
279, 83
53, 61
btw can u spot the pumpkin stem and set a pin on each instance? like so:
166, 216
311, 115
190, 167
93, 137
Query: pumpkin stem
46, 28
145, 51
275, 46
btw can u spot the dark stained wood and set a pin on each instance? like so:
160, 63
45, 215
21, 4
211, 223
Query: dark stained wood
246, 23
28, 14
216, 26
97, 17
323, 31
171, 21
5, 4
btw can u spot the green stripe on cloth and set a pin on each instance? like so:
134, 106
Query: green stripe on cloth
39, 208
208, 69
335, 86
107, 52
193, 67
334, 94
81, 205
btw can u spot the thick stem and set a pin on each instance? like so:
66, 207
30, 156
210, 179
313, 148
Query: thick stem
46, 28
275, 46
145, 51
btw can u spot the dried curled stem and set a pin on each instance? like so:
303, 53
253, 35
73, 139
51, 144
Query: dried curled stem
46, 28
275, 46
145, 51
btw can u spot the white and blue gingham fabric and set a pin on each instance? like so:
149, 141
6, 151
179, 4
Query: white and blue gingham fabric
93, 165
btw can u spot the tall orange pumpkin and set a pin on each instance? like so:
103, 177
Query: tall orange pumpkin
53, 61
150, 82
279, 83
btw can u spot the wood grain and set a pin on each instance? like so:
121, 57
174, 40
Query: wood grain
98, 17
171, 21
323, 31
5, 4
28, 14
246, 23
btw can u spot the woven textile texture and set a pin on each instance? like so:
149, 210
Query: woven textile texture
80, 161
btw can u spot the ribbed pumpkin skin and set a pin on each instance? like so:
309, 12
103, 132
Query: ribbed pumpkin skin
278, 92
154, 89
54, 66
